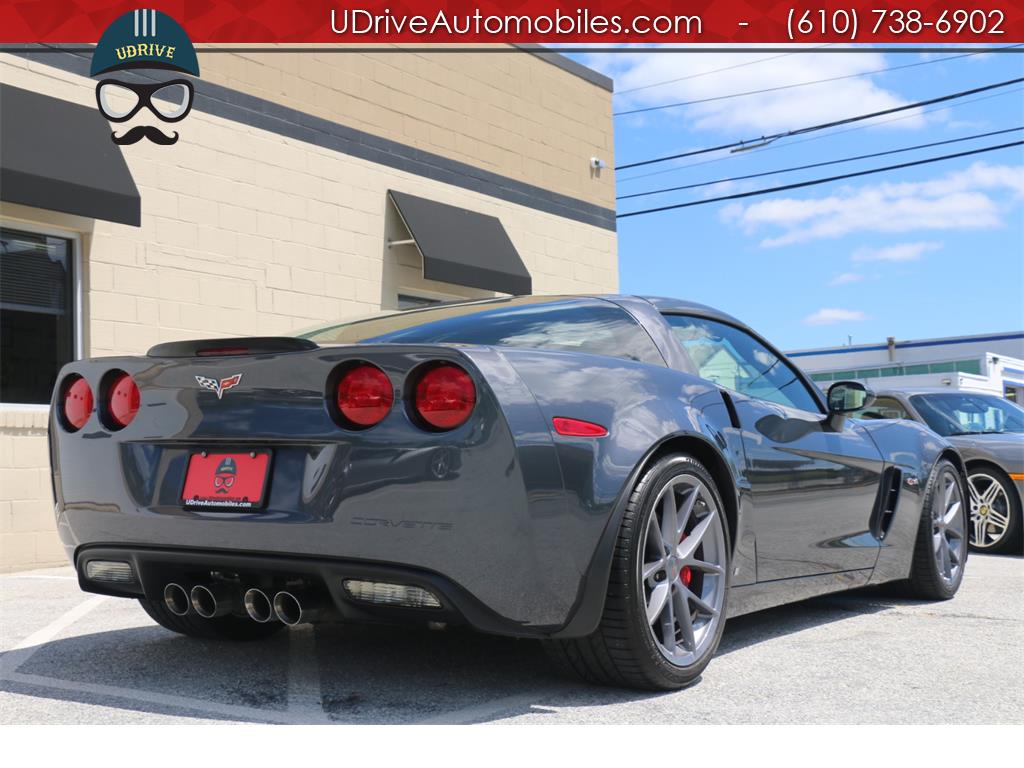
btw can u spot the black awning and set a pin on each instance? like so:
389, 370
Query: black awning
58, 156
463, 247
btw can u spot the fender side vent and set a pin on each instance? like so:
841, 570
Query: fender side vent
730, 407
888, 499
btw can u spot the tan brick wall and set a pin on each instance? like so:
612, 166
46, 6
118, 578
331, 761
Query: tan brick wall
509, 112
27, 535
245, 232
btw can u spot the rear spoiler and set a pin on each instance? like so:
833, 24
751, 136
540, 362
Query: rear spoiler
255, 345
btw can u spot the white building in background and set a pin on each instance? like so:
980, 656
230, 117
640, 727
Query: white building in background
992, 363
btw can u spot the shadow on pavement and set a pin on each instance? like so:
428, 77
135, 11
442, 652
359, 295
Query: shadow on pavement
355, 674
744, 631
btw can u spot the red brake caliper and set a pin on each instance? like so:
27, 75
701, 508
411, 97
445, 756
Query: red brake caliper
685, 575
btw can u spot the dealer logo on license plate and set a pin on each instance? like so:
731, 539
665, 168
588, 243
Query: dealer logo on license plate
226, 480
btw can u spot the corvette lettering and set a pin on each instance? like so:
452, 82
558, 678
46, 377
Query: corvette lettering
383, 522
219, 386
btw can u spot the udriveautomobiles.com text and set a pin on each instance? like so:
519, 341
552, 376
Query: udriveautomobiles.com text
362, 22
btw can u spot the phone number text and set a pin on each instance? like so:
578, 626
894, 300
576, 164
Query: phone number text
849, 22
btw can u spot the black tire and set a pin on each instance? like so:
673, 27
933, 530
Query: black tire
232, 628
926, 581
622, 652
1010, 542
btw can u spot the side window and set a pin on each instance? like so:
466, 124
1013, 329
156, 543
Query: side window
882, 408
735, 360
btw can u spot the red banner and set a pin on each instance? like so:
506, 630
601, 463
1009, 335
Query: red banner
989, 22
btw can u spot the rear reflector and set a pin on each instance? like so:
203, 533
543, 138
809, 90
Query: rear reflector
445, 396
577, 428
365, 395
110, 571
122, 400
383, 593
77, 402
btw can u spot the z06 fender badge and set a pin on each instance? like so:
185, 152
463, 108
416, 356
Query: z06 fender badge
220, 387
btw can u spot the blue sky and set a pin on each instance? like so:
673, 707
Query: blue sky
936, 250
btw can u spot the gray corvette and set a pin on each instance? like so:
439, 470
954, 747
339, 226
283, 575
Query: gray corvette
614, 476
989, 433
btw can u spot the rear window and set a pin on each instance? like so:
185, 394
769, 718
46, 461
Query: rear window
571, 325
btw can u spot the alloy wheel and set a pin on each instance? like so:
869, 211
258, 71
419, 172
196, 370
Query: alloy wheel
990, 510
682, 570
948, 523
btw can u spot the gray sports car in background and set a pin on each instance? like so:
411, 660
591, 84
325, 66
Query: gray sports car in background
989, 433
612, 475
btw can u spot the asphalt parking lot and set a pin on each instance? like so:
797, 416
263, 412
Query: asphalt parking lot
865, 657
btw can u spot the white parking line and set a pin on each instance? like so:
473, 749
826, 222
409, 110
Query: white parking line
306, 687
24, 650
516, 704
162, 699
305, 697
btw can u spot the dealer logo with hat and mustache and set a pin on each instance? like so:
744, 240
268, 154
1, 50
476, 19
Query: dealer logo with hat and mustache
144, 40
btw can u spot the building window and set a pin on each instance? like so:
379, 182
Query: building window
37, 313
870, 373
408, 301
961, 366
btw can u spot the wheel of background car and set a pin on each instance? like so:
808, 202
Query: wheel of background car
665, 607
995, 511
940, 552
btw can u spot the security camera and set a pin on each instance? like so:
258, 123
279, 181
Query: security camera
597, 163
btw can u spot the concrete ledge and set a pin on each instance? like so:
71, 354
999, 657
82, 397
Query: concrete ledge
33, 418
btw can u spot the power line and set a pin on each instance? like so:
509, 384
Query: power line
815, 182
772, 89
713, 71
791, 144
823, 126
821, 164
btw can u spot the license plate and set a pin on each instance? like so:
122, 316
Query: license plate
226, 480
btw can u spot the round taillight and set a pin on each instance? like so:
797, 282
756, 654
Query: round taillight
122, 400
445, 396
365, 395
77, 403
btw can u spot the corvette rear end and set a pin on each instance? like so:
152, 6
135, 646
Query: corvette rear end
613, 475
278, 479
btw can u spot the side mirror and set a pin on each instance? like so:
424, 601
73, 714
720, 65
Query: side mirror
848, 396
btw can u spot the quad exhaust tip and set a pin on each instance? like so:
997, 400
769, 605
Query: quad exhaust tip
213, 601
258, 606
219, 600
176, 599
287, 608
293, 608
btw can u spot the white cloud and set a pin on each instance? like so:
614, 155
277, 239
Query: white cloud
833, 316
683, 75
902, 252
974, 198
845, 278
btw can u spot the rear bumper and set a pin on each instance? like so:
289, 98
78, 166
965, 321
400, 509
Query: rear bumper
495, 506
154, 568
